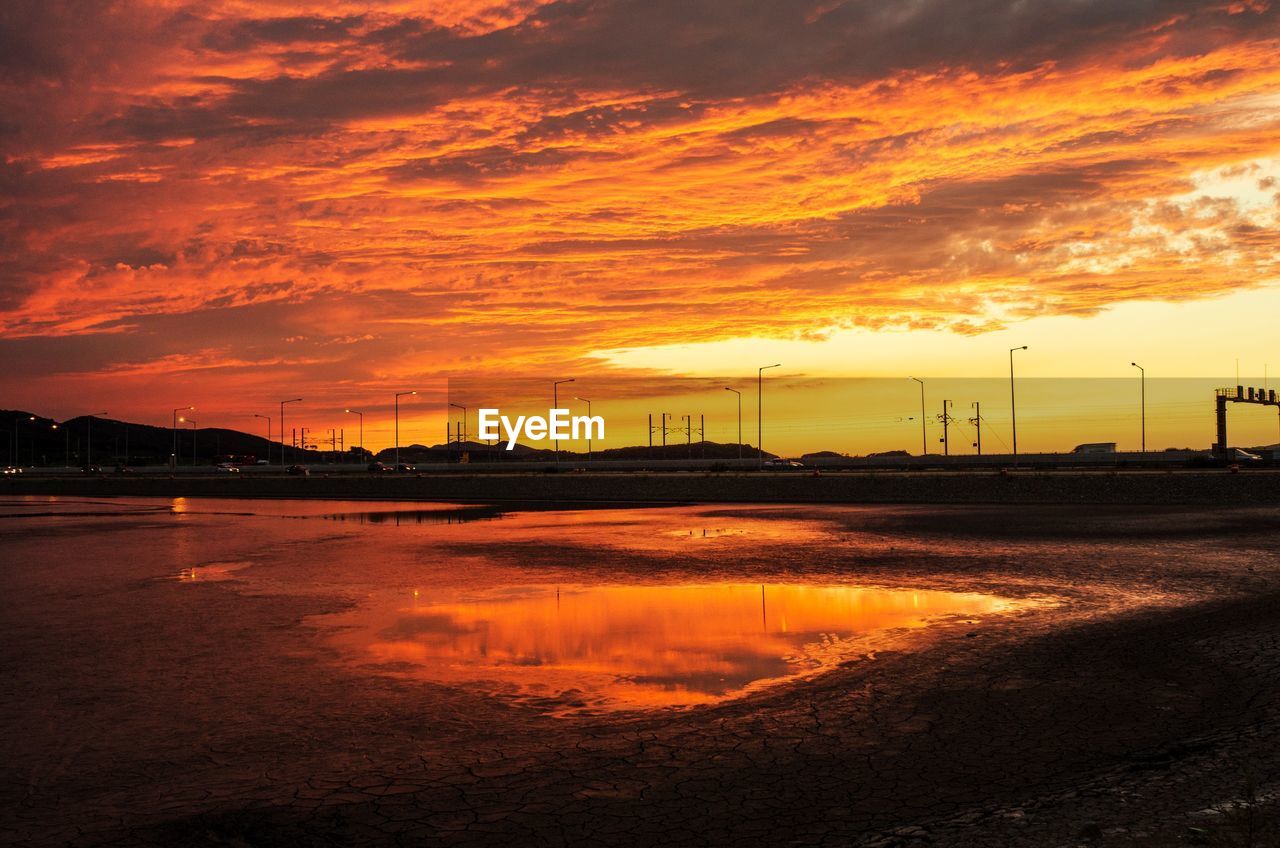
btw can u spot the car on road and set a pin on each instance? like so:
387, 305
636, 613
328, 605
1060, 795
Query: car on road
780, 463
1241, 455
405, 467
92, 469
299, 470
379, 468
11, 469
226, 468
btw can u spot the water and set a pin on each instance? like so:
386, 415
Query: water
582, 609
628, 645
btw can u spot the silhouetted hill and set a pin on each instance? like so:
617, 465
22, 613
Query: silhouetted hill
478, 452
43, 441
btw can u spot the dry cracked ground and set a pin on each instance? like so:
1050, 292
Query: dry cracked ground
1132, 701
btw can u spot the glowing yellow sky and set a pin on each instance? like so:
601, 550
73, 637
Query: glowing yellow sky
231, 203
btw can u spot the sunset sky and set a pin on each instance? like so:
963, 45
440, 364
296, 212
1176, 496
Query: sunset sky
229, 203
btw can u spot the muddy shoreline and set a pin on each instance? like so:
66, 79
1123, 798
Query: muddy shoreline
1150, 695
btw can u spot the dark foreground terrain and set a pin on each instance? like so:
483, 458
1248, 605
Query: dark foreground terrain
1188, 487
1134, 701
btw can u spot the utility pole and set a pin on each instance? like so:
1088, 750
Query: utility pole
461, 431
650, 433
976, 421
665, 416
688, 435
946, 445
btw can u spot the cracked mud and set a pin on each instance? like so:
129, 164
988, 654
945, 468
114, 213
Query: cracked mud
261, 673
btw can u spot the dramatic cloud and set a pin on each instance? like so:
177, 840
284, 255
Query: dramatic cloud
348, 194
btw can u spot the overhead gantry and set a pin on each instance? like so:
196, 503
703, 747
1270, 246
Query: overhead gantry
1240, 394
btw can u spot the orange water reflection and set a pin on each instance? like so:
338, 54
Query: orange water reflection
641, 645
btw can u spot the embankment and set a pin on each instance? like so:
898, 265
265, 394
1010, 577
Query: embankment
1203, 488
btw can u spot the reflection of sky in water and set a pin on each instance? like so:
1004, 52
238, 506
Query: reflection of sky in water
497, 598
637, 645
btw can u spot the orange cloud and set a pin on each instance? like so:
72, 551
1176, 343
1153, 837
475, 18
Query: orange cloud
405, 189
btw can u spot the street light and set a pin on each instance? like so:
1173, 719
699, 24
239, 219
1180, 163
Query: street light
924, 439
361, 414
67, 447
1013, 404
760, 409
555, 404
588, 403
268, 418
398, 396
282, 403
739, 394
89, 438
173, 458
1144, 403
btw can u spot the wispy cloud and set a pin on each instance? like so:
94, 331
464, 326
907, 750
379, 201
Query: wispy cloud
536, 181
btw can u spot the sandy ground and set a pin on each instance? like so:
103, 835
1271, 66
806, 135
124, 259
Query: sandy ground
1135, 708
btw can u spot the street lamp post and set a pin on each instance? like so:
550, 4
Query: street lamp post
739, 394
760, 409
89, 438
398, 396
173, 458
1143, 378
268, 419
588, 403
282, 403
555, 404
1013, 403
66, 431
924, 438
361, 414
